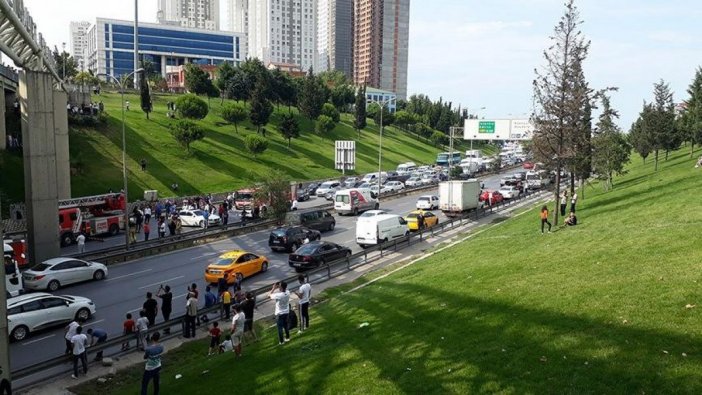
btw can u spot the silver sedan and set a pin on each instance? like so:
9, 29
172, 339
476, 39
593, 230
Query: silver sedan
57, 272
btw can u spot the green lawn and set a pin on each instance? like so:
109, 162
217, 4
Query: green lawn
218, 163
599, 308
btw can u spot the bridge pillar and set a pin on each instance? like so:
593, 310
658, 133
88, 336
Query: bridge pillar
63, 162
40, 163
3, 132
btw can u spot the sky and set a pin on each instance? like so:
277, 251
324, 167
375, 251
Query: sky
484, 53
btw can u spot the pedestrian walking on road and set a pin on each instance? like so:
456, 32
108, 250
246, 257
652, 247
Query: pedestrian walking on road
304, 293
238, 323
162, 228
97, 336
247, 307
279, 293
544, 219
142, 326
147, 230
69, 332
564, 203
573, 201
129, 327
166, 304
190, 316
152, 370
150, 307
79, 341
215, 334
81, 243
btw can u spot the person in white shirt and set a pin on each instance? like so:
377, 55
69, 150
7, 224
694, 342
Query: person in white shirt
226, 345
238, 329
79, 342
304, 293
81, 243
294, 205
573, 201
280, 294
142, 326
147, 214
70, 332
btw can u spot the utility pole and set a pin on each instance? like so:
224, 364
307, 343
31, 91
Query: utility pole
136, 44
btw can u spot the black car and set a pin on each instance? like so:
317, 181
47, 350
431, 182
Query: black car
316, 254
291, 238
303, 195
317, 219
312, 188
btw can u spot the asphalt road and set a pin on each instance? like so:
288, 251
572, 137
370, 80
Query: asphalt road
124, 289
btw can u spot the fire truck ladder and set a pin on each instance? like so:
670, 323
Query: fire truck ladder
86, 201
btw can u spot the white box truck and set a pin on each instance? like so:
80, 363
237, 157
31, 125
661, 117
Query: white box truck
458, 197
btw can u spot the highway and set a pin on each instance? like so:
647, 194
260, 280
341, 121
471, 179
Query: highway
125, 288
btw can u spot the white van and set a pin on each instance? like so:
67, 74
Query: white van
405, 168
380, 229
354, 201
373, 177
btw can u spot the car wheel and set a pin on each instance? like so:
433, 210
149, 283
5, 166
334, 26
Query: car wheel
114, 229
53, 286
319, 237
66, 239
331, 226
19, 333
83, 314
264, 267
98, 275
299, 269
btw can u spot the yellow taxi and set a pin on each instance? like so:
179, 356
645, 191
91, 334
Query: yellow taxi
426, 218
233, 263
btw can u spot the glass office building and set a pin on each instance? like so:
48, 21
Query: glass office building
111, 46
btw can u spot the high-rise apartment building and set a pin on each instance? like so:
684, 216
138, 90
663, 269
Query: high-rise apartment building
335, 35
79, 42
283, 32
380, 44
237, 17
198, 14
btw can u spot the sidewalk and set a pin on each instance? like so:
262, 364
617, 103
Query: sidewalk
265, 310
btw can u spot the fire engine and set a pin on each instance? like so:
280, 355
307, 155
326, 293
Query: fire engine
243, 199
19, 250
92, 215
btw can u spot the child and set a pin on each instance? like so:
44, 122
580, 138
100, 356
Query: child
226, 345
215, 332
128, 326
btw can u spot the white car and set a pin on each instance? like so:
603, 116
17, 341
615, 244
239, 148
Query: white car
509, 192
371, 214
394, 186
326, 187
351, 182
428, 202
58, 272
35, 311
197, 218
429, 179
413, 182
384, 189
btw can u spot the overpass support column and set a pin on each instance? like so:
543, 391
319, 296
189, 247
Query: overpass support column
3, 132
63, 162
40, 175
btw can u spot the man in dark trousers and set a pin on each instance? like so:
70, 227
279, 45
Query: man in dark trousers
166, 304
97, 336
150, 308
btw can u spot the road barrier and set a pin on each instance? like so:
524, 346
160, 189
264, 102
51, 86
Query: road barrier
314, 276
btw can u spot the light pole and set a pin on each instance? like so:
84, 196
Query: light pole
124, 153
136, 44
63, 60
382, 104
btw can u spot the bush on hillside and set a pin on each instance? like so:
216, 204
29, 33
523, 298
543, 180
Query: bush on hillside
329, 110
191, 107
324, 125
187, 132
256, 144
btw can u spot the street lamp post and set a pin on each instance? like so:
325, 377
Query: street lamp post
382, 104
63, 60
124, 154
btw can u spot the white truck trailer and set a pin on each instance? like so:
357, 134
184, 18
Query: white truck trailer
458, 197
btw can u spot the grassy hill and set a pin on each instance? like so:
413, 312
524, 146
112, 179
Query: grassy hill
220, 162
610, 306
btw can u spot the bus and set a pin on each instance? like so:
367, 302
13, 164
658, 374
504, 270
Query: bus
444, 159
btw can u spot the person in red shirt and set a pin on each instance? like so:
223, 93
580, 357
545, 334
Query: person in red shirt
128, 326
215, 333
147, 231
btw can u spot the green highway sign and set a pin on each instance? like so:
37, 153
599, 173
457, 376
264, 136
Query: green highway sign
486, 127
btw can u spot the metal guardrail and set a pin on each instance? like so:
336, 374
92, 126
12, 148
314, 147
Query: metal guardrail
314, 276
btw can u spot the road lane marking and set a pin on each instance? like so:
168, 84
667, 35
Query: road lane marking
38, 340
94, 322
180, 296
205, 255
128, 275
161, 282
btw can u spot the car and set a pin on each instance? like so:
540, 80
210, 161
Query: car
290, 238
316, 254
490, 198
331, 194
528, 165
365, 185
303, 195
312, 188
510, 192
507, 179
428, 202
375, 188
55, 273
414, 182
197, 218
421, 219
520, 175
326, 187
234, 263
371, 214
40, 310
428, 179
351, 182
394, 186
313, 218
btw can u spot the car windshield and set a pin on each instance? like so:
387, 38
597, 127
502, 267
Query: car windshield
199, 212
342, 198
224, 262
40, 267
279, 232
326, 185
370, 214
307, 249
244, 196
423, 199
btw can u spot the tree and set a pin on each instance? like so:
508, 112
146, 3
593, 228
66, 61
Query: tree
223, 76
238, 87
404, 119
561, 96
360, 122
275, 191
691, 119
640, 138
660, 121
234, 113
191, 107
145, 96
324, 125
261, 109
438, 138
284, 88
256, 144
289, 128
186, 132
329, 110
64, 58
334, 78
312, 96
611, 151
421, 129
85, 78
197, 81
342, 96
388, 117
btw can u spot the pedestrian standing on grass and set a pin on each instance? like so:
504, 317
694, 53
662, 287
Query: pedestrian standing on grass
142, 326
238, 322
544, 219
564, 203
573, 201
304, 293
128, 327
143, 164
97, 336
79, 341
152, 370
215, 334
81, 243
247, 307
150, 308
70, 331
190, 316
279, 293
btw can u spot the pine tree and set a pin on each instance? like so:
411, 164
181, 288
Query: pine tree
611, 151
289, 128
261, 109
360, 121
692, 115
312, 96
661, 120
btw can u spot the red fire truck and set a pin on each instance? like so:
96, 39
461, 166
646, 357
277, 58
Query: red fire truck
19, 250
243, 198
92, 215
